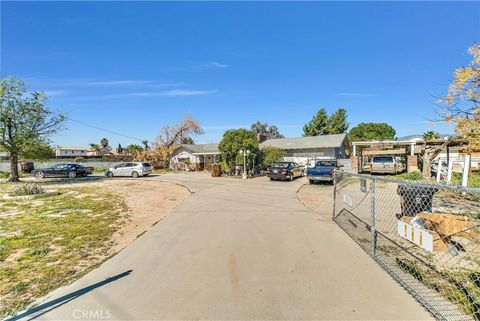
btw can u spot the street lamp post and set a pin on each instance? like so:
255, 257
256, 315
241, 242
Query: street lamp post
245, 153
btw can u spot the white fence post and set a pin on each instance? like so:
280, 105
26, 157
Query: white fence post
449, 171
439, 170
466, 170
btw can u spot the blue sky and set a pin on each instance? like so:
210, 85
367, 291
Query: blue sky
133, 67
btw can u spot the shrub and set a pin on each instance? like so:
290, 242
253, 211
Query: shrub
413, 176
208, 166
78, 159
4, 174
28, 189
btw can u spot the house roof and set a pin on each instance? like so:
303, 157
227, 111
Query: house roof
201, 148
311, 142
72, 148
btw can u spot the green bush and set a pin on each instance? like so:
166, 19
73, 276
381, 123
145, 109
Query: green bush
413, 176
27, 189
4, 174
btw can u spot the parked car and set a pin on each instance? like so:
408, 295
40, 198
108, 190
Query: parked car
324, 170
385, 165
133, 169
285, 170
63, 170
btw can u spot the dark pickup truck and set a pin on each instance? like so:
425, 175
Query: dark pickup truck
323, 171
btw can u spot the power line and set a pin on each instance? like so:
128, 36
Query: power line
103, 129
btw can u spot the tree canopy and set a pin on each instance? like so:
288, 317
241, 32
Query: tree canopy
371, 131
270, 131
272, 155
26, 123
429, 135
104, 142
235, 140
323, 124
462, 102
168, 139
133, 148
188, 140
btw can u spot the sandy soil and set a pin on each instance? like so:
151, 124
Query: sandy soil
148, 201
318, 198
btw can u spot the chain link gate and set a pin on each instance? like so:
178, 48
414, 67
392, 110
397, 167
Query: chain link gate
426, 236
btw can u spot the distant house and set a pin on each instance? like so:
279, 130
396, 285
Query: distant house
70, 151
198, 156
102, 151
304, 149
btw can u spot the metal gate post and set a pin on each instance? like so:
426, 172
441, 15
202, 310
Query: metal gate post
334, 193
372, 214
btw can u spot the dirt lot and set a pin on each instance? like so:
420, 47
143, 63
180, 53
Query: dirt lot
318, 198
148, 202
49, 242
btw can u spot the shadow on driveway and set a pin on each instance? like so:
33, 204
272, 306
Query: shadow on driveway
51, 305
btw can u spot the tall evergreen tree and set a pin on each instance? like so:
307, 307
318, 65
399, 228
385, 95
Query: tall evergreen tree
337, 122
318, 125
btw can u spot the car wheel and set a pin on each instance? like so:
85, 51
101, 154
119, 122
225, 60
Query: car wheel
72, 174
109, 174
310, 181
271, 178
291, 177
135, 174
39, 175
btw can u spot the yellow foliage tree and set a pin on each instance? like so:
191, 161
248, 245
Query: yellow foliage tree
462, 103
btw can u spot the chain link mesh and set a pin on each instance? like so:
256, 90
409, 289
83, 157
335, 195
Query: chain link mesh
426, 236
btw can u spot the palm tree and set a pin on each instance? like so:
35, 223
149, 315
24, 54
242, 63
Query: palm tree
145, 144
95, 148
104, 142
429, 135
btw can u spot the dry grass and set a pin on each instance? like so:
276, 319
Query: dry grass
52, 241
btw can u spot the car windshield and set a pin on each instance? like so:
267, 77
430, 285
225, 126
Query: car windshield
383, 160
282, 165
326, 164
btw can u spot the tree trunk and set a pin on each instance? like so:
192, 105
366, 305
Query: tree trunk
14, 177
427, 165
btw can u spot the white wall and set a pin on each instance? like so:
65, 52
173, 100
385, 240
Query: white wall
70, 152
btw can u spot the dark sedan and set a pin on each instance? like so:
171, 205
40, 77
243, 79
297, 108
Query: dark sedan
62, 170
285, 170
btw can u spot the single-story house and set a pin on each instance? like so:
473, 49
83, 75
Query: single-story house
305, 149
197, 156
70, 151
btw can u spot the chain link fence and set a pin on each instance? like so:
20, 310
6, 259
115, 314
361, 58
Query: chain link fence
426, 236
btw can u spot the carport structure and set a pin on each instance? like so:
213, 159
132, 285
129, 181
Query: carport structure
414, 151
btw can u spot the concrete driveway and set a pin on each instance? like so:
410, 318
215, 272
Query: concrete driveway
236, 250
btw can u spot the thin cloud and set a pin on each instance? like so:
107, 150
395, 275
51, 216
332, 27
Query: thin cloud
103, 82
210, 65
54, 93
168, 93
348, 94
118, 82
183, 92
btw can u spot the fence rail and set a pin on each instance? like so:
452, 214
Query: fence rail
426, 236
